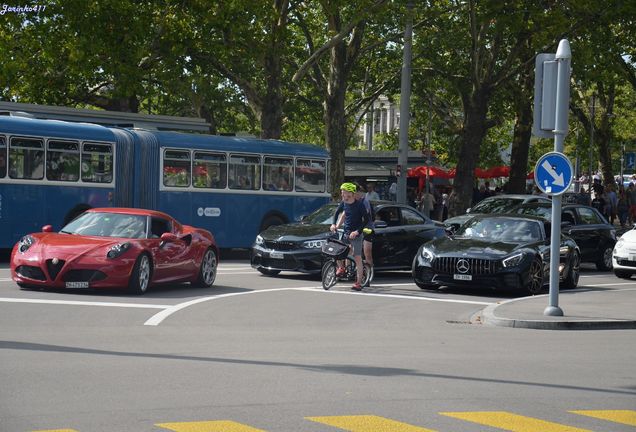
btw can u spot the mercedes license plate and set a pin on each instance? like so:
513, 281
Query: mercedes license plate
462, 277
276, 255
76, 284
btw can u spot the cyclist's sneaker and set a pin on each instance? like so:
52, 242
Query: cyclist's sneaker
356, 287
340, 272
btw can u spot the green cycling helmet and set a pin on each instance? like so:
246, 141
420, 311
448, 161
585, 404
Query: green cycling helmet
349, 187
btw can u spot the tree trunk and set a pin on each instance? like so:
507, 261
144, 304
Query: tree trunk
521, 137
604, 132
272, 109
334, 116
474, 130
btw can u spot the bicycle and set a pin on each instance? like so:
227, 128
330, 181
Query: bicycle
332, 252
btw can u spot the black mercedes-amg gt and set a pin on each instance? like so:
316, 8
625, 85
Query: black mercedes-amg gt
500, 251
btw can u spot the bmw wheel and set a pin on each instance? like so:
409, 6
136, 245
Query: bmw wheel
605, 261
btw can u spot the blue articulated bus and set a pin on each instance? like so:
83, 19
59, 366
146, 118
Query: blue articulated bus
51, 171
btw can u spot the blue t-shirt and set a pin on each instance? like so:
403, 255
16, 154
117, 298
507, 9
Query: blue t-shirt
356, 215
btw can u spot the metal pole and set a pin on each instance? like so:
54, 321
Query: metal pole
405, 104
592, 114
563, 56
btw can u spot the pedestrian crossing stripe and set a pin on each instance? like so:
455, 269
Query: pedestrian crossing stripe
512, 422
208, 426
56, 430
367, 423
370, 423
627, 417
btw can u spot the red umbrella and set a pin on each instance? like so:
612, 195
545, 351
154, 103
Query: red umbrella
433, 171
499, 171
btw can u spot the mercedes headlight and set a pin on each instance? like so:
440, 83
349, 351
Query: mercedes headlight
427, 254
563, 250
259, 240
117, 250
513, 261
25, 243
314, 244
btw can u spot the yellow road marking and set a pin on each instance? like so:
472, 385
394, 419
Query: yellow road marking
627, 417
208, 426
56, 430
512, 422
367, 423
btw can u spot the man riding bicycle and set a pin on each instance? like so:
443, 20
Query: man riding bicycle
356, 218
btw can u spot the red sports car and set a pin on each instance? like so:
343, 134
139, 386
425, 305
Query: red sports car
116, 248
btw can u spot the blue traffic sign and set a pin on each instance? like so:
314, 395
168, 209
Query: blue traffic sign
553, 173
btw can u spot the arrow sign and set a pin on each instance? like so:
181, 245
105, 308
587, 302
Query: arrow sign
553, 173
558, 179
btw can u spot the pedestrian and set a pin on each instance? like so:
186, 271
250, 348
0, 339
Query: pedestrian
354, 221
612, 203
622, 207
393, 192
371, 193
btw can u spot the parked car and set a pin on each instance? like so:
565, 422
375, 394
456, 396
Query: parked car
297, 247
624, 255
590, 230
500, 251
494, 204
116, 248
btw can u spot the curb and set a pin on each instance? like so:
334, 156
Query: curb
489, 317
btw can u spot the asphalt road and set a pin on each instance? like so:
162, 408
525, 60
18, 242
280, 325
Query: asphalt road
280, 354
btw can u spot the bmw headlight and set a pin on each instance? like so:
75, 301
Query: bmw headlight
513, 261
314, 244
259, 240
427, 254
25, 243
117, 250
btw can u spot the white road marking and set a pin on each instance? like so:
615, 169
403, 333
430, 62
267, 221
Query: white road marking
84, 303
160, 316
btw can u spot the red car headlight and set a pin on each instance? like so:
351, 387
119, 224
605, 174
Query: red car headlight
117, 250
25, 243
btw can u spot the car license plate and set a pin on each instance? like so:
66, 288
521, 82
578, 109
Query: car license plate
276, 255
76, 284
462, 277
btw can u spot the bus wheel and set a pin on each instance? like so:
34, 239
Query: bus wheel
75, 212
271, 221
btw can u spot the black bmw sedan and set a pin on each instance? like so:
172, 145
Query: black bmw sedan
500, 251
400, 231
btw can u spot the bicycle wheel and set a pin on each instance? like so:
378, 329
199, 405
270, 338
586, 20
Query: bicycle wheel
328, 275
367, 274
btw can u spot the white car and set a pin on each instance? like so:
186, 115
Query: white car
624, 255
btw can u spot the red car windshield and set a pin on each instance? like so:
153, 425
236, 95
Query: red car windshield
108, 225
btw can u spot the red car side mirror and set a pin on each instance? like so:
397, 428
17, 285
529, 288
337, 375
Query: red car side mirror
47, 228
168, 237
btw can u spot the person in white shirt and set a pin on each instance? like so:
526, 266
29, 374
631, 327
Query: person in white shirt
371, 194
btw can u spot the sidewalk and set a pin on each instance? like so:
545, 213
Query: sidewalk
583, 309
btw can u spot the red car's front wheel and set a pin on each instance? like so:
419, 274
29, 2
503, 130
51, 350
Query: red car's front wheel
140, 277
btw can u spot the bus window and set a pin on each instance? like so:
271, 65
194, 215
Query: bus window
311, 175
3, 157
97, 163
62, 161
277, 173
210, 170
26, 159
245, 172
176, 168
